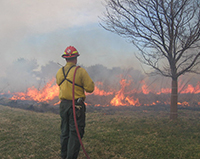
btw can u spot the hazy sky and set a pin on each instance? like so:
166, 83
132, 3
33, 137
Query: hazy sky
42, 29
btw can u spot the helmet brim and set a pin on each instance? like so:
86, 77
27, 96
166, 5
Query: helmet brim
69, 57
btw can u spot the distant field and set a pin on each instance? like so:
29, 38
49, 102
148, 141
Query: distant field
119, 135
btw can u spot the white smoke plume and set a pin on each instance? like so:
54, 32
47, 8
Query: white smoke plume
23, 74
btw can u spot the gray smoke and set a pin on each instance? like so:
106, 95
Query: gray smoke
23, 74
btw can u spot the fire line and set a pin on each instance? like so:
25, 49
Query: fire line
125, 96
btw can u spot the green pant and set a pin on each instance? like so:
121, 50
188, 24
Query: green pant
70, 144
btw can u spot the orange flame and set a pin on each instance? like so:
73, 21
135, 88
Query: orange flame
191, 89
164, 91
184, 104
144, 88
120, 99
99, 92
47, 93
123, 97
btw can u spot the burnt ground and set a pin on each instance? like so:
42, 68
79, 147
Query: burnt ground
48, 107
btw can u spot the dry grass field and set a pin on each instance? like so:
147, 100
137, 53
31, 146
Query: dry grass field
119, 135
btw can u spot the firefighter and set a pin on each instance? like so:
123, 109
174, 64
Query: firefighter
70, 144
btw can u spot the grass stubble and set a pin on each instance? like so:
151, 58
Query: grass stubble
120, 135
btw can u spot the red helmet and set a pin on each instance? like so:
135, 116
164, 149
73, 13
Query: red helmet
70, 52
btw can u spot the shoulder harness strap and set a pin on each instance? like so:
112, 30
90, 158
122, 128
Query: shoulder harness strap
65, 77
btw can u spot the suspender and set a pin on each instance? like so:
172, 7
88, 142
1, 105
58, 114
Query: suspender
65, 77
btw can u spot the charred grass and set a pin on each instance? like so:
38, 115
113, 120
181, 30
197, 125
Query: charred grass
123, 134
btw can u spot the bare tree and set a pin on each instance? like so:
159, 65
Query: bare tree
166, 33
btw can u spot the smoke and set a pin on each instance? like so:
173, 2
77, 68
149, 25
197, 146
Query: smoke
19, 75
111, 77
48, 71
23, 74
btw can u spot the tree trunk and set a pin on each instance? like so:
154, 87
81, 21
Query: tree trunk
174, 100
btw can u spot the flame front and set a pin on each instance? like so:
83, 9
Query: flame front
47, 93
125, 96
120, 99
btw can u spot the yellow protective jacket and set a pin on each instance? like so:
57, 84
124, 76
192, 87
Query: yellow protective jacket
82, 78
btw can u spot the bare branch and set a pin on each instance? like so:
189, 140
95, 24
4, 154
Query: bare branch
161, 30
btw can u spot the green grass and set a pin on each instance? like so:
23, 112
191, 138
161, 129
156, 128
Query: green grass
121, 135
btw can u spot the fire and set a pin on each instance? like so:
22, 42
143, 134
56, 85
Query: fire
120, 99
184, 104
132, 101
47, 93
145, 88
127, 95
191, 89
57, 103
164, 90
99, 92
117, 100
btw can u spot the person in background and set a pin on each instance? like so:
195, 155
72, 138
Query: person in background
70, 144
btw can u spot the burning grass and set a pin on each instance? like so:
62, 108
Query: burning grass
125, 93
119, 134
